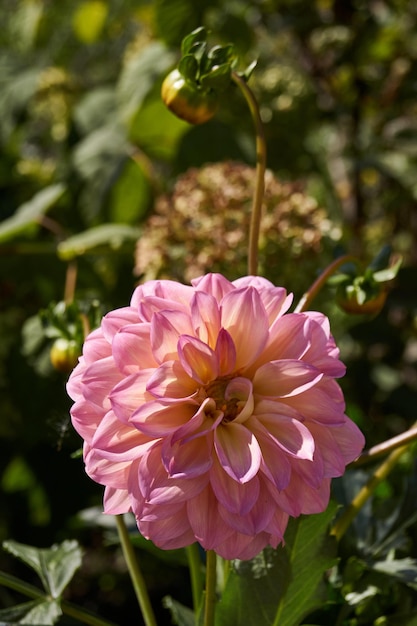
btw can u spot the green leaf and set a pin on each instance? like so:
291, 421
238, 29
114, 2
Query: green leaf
188, 67
218, 78
36, 612
181, 615
106, 237
55, 566
29, 213
280, 586
197, 36
131, 194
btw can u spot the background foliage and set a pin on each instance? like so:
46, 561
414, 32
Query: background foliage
89, 157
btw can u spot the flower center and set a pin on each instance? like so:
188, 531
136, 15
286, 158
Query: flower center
228, 400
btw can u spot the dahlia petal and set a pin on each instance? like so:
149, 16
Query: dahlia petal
153, 512
116, 501
275, 299
118, 442
244, 547
99, 379
277, 525
166, 328
132, 348
204, 421
159, 488
255, 520
285, 378
130, 393
238, 451
289, 434
317, 405
274, 464
288, 338
236, 497
214, 284
170, 380
205, 317
198, 359
85, 418
242, 309
116, 319
104, 472
156, 419
226, 353
323, 352
350, 440
96, 347
158, 295
170, 533
187, 460
203, 517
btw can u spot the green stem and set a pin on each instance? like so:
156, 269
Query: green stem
211, 577
260, 174
309, 295
135, 573
194, 564
344, 521
67, 607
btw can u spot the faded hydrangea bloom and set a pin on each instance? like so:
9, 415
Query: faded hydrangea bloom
212, 413
202, 226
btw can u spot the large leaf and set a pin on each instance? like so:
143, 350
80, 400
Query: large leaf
181, 615
103, 238
280, 586
55, 566
36, 612
29, 213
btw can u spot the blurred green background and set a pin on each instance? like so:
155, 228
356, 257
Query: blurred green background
96, 175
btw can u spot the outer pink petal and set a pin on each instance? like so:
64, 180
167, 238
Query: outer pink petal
132, 348
166, 328
319, 406
275, 464
282, 379
116, 501
118, 442
256, 520
130, 394
170, 380
288, 339
85, 418
170, 533
214, 284
187, 460
198, 360
350, 440
238, 451
204, 519
157, 295
157, 419
113, 321
96, 347
98, 381
205, 317
275, 299
159, 488
235, 497
289, 434
244, 547
242, 310
106, 472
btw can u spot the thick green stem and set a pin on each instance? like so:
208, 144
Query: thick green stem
194, 564
67, 607
135, 573
210, 595
260, 174
318, 285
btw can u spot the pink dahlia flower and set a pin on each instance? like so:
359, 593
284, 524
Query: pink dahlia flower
212, 413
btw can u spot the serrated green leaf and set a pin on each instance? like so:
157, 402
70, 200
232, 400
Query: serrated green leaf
181, 615
36, 612
55, 566
28, 214
108, 236
279, 586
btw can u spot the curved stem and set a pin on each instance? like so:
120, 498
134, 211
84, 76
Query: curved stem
318, 284
210, 606
135, 573
194, 564
260, 174
368, 456
344, 521
67, 607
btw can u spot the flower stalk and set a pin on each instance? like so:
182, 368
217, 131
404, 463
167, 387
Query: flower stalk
318, 284
259, 176
135, 573
194, 564
349, 514
211, 577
